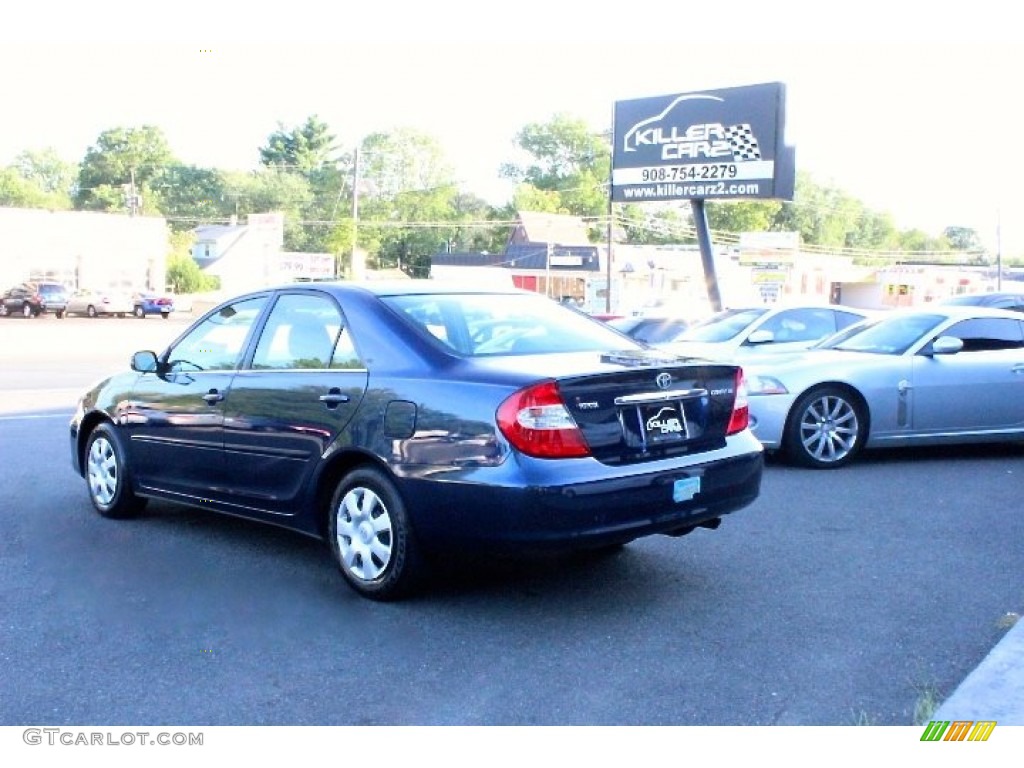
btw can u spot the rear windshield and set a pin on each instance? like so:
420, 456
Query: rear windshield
52, 288
479, 325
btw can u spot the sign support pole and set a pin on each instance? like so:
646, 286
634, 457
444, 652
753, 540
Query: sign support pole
707, 255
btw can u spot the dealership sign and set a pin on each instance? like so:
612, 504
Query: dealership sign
726, 143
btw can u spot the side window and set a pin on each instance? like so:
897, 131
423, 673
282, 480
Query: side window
801, 325
345, 355
980, 335
301, 333
845, 319
217, 343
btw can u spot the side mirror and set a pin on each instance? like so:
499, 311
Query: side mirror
947, 345
144, 362
761, 337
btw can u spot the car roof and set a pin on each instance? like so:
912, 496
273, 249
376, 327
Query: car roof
953, 311
411, 287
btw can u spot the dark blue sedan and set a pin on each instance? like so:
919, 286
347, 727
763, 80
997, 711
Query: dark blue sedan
398, 421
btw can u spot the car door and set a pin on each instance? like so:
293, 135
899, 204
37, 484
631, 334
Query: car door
175, 421
299, 389
980, 388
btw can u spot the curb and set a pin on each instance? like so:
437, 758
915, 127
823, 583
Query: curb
995, 689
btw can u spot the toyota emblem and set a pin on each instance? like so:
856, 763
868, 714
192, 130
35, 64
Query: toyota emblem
663, 380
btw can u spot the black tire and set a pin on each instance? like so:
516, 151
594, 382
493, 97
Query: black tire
370, 536
3, 310
826, 429
108, 476
120, 314
91, 311
140, 313
165, 315
26, 310
60, 314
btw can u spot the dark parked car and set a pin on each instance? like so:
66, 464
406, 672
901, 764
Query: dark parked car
397, 420
34, 299
146, 303
997, 300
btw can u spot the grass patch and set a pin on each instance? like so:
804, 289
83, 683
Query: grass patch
863, 718
928, 701
1007, 620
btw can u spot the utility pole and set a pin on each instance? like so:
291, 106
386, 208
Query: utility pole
355, 269
132, 200
999, 250
547, 270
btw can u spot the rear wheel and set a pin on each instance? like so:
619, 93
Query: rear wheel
370, 536
26, 310
3, 310
140, 313
90, 311
826, 429
60, 314
108, 476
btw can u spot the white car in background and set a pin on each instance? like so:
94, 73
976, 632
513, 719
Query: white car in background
745, 333
93, 303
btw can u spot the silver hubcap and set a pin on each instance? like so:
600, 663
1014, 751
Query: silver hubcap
364, 534
829, 429
102, 471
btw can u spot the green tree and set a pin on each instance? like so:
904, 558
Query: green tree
183, 274
118, 156
302, 149
18, 192
272, 190
963, 239
188, 195
742, 215
407, 193
567, 158
49, 172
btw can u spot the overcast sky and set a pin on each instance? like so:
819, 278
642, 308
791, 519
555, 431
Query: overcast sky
916, 116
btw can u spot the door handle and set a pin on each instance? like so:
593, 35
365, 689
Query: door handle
334, 398
213, 396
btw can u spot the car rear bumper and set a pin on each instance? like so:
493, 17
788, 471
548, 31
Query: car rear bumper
576, 515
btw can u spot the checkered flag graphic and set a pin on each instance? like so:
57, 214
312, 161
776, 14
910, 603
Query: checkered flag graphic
743, 142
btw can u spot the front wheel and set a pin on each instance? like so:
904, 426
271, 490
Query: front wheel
26, 310
108, 476
370, 536
826, 429
60, 314
140, 313
90, 311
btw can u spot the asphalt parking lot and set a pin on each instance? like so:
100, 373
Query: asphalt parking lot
859, 596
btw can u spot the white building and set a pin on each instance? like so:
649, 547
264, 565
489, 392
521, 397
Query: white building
82, 249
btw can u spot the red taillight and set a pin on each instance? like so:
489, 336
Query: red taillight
537, 423
741, 407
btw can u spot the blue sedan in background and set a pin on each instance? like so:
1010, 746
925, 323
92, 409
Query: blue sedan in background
145, 304
402, 420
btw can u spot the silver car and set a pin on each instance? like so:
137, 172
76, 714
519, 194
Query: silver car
746, 333
941, 375
103, 302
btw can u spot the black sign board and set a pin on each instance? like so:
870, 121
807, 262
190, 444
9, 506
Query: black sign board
726, 143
